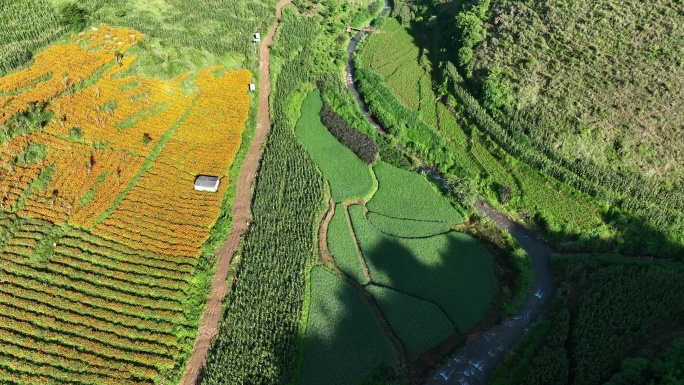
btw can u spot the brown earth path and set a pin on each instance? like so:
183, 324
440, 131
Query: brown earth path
241, 215
330, 264
323, 234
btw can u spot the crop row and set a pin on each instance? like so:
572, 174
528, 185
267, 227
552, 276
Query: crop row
22, 334
91, 283
132, 274
34, 24
103, 277
137, 263
63, 369
79, 332
65, 301
99, 325
86, 292
89, 242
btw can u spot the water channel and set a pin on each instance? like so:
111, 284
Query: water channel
475, 362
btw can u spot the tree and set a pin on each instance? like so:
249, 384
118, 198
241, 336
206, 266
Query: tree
463, 190
74, 16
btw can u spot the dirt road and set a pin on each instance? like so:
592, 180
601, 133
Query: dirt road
241, 214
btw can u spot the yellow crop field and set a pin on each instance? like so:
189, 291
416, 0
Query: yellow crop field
100, 225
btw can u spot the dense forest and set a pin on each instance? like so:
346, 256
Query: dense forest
614, 320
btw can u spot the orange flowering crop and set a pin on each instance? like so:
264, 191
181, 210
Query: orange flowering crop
121, 112
206, 143
126, 145
62, 66
163, 214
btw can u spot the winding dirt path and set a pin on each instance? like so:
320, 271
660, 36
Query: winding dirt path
241, 215
323, 234
330, 263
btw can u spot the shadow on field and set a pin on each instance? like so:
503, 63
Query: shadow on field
352, 335
634, 234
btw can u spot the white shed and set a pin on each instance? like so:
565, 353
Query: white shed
207, 183
252, 87
257, 37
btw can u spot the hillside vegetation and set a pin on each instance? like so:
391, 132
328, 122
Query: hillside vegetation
179, 35
601, 81
594, 182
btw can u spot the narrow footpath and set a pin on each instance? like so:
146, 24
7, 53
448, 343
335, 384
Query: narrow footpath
241, 215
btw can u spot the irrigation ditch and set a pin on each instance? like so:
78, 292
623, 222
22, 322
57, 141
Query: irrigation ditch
475, 362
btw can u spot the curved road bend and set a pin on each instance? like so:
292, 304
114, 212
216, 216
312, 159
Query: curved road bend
241, 214
476, 361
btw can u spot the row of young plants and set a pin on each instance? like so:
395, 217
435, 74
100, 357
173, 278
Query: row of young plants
258, 337
64, 306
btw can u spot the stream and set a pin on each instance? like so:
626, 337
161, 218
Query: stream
475, 362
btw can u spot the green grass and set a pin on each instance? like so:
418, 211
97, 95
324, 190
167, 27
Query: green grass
407, 195
348, 176
344, 339
342, 246
398, 66
561, 209
406, 228
496, 171
453, 270
420, 325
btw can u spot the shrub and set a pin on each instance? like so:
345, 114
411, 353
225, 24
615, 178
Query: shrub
74, 16
505, 194
359, 143
33, 153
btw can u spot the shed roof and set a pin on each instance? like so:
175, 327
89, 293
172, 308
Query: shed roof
206, 182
